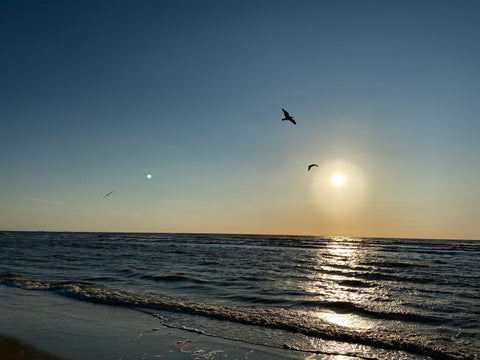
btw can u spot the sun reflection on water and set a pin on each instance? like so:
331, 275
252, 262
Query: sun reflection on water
343, 247
345, 320
335, 287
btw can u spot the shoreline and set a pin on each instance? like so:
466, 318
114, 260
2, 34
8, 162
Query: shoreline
12, 349
45, 326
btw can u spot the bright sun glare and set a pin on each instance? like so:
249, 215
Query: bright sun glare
338, 188
338, 179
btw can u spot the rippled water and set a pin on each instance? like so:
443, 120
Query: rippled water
363, 297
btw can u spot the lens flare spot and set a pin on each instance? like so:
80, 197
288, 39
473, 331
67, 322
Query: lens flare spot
149, 176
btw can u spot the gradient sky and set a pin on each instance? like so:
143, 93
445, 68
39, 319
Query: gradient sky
96, 95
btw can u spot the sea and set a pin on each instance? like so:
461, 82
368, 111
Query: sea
297, 297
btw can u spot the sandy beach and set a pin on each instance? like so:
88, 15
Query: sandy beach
14, 350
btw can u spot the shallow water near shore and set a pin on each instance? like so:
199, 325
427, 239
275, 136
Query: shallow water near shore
244, 296
78, 331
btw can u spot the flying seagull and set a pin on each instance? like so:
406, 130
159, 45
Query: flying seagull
287, 116
110, 193
312, 165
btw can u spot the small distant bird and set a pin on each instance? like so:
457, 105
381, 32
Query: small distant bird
288, 117
110, 193
312, 165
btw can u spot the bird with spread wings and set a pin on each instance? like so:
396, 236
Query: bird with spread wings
288, 117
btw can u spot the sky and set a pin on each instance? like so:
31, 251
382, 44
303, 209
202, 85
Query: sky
176, 106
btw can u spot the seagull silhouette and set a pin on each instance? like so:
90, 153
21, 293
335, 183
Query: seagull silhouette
287, 116
110, 193
312, 165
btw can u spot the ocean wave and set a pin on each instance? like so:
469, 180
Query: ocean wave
176, 277
296, 321
398, 264
345, 306
257, 299
380, 276
354, 283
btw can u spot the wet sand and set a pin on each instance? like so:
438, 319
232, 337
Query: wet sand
74, 330
15, 350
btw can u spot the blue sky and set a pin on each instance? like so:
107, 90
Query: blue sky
95, 95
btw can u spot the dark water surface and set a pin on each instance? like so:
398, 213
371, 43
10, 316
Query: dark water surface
360, 297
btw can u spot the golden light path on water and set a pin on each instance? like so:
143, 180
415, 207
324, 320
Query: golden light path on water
331, 283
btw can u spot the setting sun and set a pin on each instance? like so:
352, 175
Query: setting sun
338, 179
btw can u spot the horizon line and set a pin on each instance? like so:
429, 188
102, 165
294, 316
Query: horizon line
252, 234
